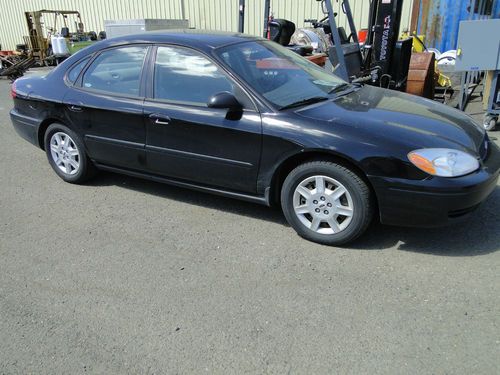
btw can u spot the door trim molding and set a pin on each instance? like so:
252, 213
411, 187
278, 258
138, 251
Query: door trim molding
128, 144
192, 155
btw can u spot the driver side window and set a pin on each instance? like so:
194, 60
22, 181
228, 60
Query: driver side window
183, 75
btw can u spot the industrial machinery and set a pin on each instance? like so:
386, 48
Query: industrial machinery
493, 102
281, 31
13, 65
381, 60
66, 23
386, 57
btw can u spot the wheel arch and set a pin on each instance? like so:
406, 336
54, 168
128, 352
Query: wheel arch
293, 161
42, 129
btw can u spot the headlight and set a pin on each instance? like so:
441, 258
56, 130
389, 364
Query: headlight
443, 162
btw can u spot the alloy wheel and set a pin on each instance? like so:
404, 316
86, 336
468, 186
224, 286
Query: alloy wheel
65, 153
323, 204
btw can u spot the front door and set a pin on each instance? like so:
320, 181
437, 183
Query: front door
189, 141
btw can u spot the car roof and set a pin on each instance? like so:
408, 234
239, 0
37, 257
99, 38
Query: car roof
202, 39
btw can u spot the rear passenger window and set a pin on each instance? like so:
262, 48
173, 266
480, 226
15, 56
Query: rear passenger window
186, 76
116, 71
75, 71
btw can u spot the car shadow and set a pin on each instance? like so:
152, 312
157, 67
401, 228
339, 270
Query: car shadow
198, 198
478, 235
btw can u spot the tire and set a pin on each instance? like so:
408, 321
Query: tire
490, 122
65, 146
335, 217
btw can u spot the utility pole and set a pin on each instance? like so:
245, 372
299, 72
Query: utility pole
183, 10
241, 20
267, 11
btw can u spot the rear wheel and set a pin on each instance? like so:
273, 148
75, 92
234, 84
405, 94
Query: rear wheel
326, 203
66, 154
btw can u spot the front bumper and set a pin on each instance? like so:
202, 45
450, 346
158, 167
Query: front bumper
25, 126
436, 201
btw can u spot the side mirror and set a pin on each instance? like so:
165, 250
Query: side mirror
225, 100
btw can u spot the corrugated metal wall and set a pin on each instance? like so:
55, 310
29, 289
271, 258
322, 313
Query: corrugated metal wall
203, 14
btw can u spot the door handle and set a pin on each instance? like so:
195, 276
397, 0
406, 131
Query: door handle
161, 122
75, 108
159, 119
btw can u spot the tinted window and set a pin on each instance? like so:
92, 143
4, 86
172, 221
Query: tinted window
117, 71
75, 71
187, 76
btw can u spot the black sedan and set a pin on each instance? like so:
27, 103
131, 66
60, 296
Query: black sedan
244, 117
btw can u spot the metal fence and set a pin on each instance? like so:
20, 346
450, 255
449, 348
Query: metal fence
202, 14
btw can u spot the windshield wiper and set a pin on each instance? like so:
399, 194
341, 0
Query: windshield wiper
314, 99
339, 87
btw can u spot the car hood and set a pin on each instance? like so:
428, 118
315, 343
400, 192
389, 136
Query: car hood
416, 121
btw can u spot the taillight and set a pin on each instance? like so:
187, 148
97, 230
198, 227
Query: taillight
13, 89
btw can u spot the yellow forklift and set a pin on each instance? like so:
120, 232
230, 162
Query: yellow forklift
42, 24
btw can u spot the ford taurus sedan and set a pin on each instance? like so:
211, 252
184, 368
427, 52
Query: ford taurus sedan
246, 118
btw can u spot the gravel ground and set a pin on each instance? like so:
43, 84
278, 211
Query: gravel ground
128, 276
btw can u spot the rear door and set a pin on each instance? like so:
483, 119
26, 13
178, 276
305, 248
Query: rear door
189, 141
106, 103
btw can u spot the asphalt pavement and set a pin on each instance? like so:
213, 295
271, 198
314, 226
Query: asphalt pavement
123, 275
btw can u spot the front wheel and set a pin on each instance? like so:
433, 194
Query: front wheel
66, 154
326, 202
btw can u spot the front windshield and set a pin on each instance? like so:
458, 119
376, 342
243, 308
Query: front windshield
280, 75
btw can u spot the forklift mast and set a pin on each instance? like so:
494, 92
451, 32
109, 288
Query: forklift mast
382, 58
339, 54
385, 18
